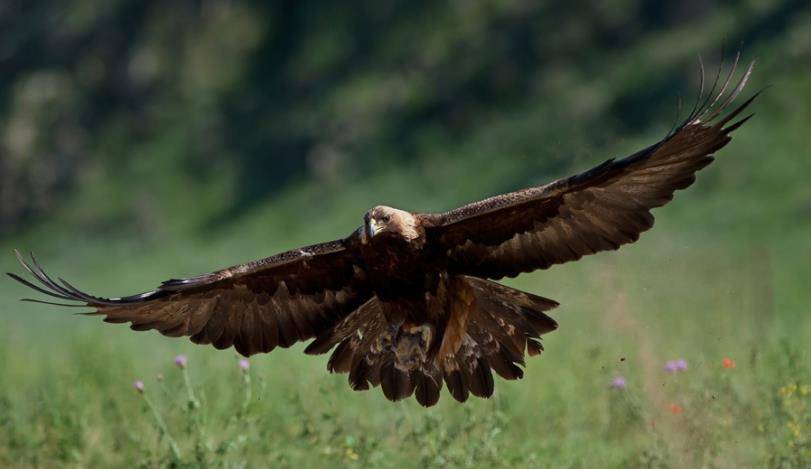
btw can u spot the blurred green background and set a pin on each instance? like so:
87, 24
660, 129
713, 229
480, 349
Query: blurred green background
143, 140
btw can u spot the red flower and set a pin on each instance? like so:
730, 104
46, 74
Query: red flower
676, 409
728, 362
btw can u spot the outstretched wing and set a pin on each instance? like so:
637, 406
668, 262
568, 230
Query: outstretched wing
600, 209
280, 300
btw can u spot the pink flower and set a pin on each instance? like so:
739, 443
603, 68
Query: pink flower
618, 383
674, 366
181, 361
244, 365
139, 386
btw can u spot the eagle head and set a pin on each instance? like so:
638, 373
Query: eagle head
389, 221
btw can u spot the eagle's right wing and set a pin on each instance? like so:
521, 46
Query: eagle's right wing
279, 300
600, 209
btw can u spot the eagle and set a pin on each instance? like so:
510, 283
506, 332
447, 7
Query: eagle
410, 301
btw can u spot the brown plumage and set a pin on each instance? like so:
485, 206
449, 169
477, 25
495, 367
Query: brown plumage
407, 301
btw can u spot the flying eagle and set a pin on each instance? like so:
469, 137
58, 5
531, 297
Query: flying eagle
409, 300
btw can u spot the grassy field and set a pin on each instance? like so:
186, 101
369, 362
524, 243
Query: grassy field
67, 395
722, 282
712, 281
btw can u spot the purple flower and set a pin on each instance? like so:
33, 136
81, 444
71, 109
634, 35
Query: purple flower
139, 386
675, 366
181, 361
244, 365
618, 383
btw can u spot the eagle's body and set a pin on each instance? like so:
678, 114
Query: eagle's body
408, 301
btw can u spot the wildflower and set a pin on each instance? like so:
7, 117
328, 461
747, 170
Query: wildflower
181, 361
159, 377
244, 365
676, 409
139, 386
618, 383
674, 366
728, 362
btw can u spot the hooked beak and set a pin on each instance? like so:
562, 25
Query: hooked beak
372, 228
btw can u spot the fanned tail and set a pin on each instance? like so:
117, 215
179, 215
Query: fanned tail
489, 327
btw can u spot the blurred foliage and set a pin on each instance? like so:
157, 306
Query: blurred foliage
134, 102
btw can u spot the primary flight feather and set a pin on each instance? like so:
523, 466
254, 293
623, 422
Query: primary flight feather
408, 301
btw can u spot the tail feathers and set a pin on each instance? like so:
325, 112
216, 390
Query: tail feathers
396, 383
505, 365
363, 374
502, 325
427, 387
489, 328
363, 348
480, 380
456, 382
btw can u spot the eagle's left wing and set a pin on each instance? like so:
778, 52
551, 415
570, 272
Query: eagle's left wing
277, 301
600, 209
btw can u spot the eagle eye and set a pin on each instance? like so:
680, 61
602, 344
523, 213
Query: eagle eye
385, 218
